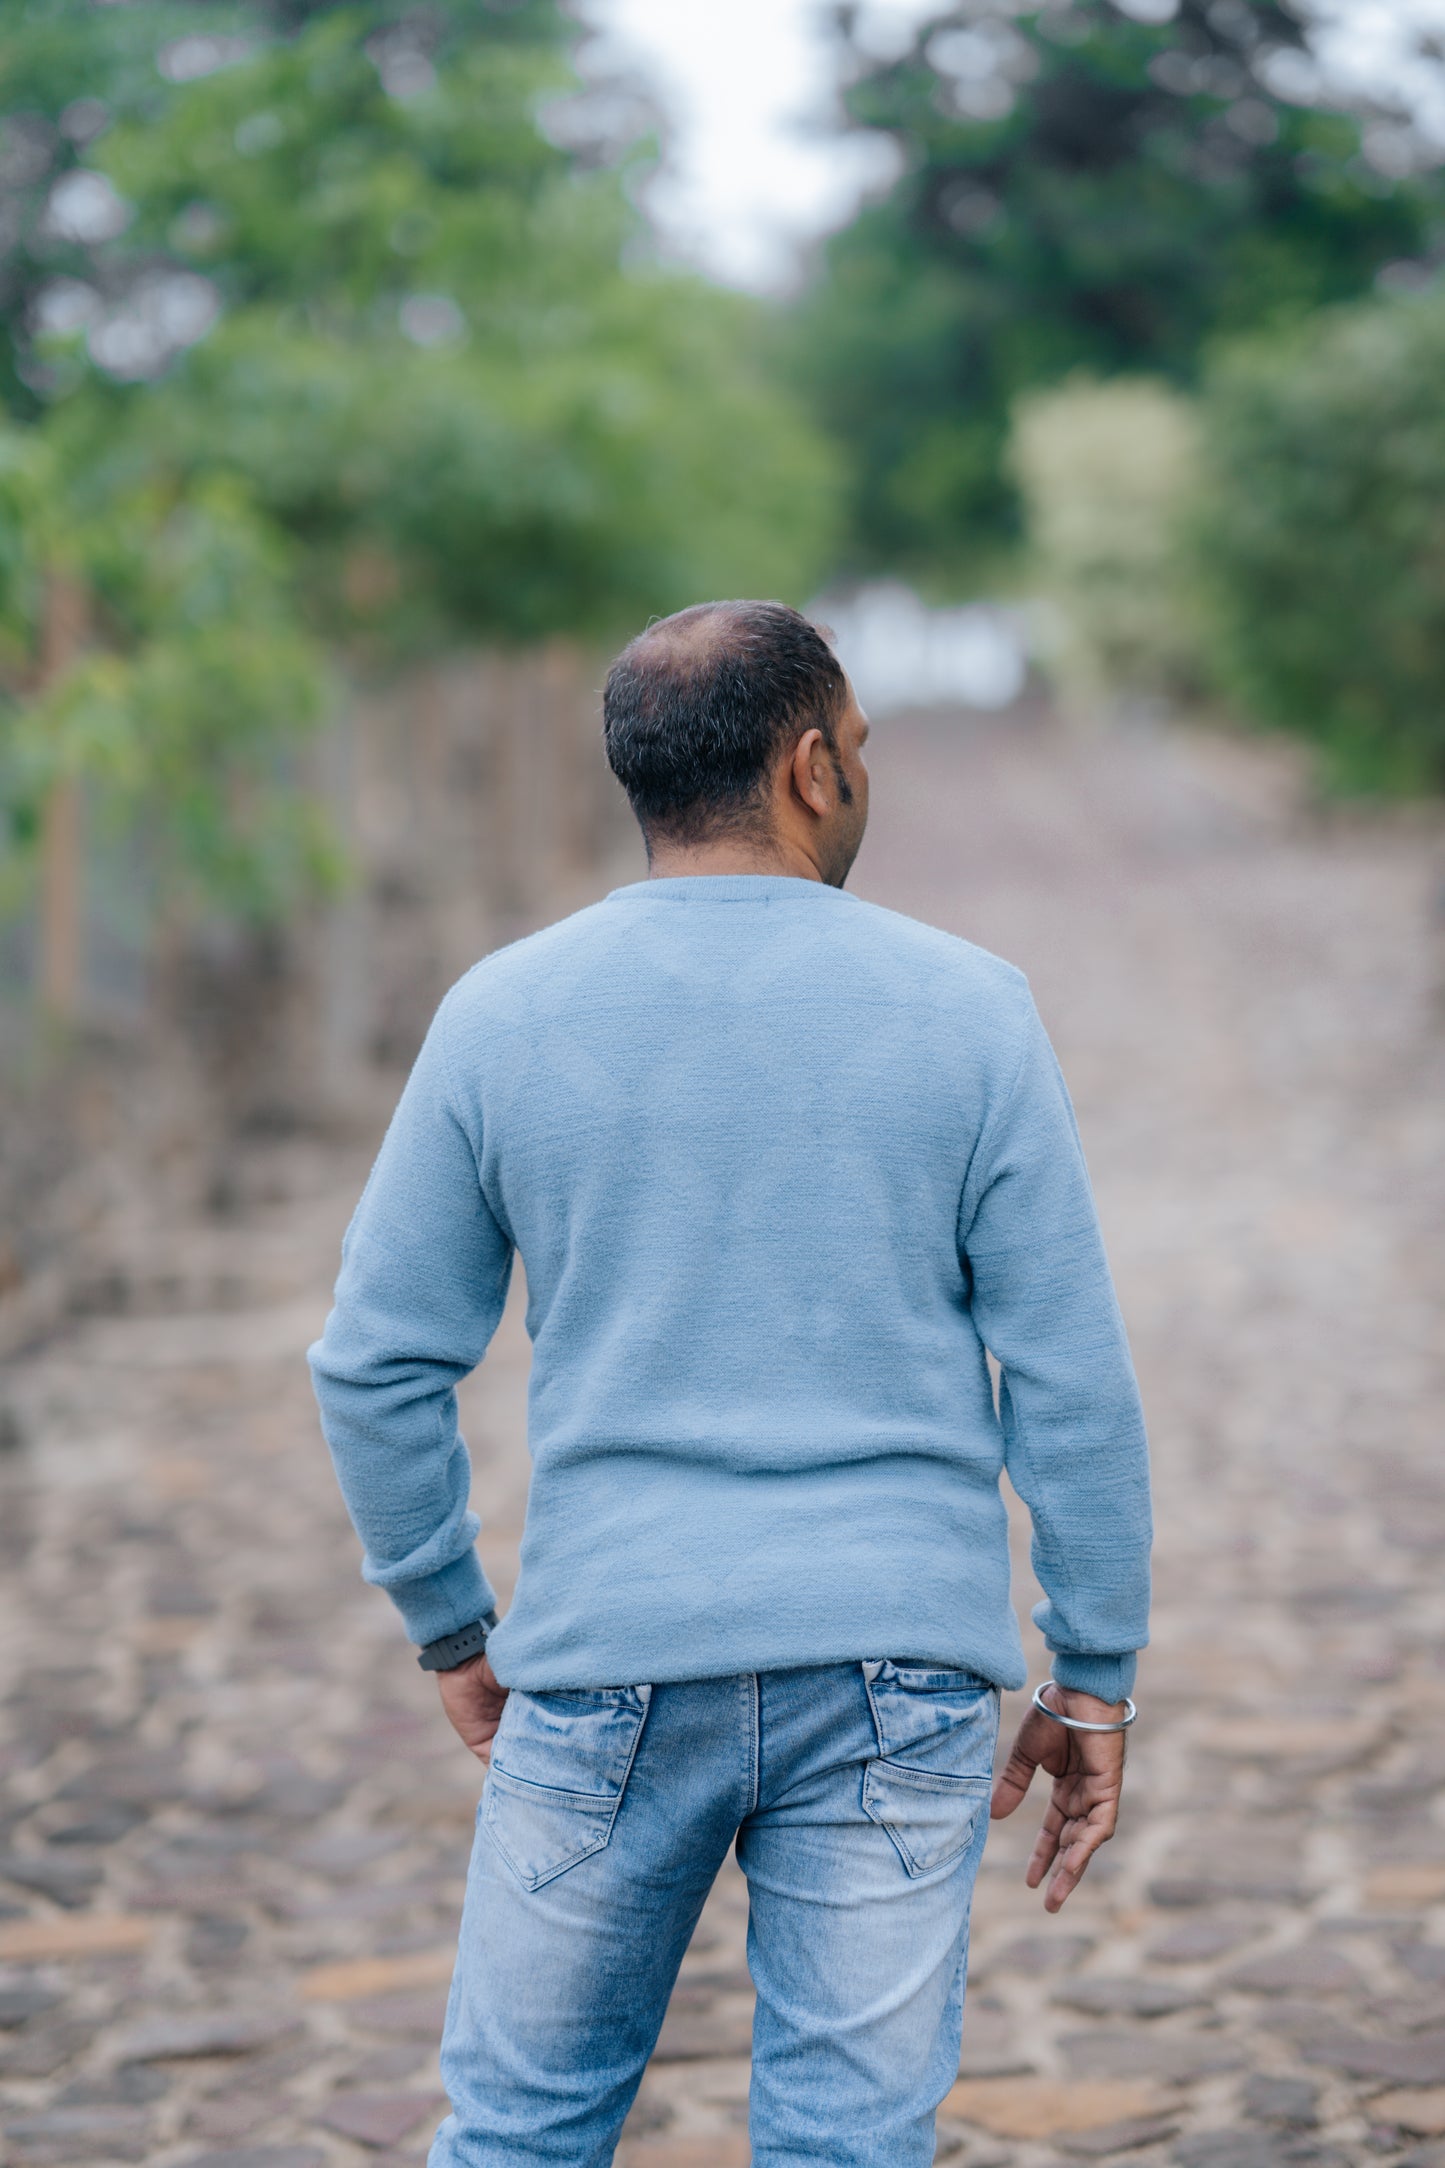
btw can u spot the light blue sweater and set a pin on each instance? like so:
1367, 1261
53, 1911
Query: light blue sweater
780, 1166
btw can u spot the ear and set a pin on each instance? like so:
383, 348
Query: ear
811, 773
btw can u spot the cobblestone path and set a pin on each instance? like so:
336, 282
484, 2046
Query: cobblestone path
235, 1827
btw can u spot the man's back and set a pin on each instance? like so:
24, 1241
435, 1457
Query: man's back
777, 1164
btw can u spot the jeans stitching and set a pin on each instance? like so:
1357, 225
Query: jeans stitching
642, 1703
877, 1810
875, 1713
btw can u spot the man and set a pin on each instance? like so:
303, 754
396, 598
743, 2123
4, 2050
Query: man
780, 1168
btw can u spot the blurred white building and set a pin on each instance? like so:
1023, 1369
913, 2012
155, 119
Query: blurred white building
900, 654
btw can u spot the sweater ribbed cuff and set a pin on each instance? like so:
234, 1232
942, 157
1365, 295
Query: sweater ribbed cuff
1108, 1678
444, 1602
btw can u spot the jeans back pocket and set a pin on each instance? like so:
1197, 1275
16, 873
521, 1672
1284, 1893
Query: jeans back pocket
936, 1730
560, 1764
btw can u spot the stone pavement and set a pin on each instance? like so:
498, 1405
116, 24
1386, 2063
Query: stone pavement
235, 1828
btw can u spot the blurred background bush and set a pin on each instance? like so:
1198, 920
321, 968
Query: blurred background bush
1105, 474
1321, 536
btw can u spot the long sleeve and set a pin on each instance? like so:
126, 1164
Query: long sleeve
424, 1276
1073, 1429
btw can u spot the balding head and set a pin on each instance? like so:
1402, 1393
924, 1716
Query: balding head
700, 707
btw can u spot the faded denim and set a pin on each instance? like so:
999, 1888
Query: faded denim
857, 1796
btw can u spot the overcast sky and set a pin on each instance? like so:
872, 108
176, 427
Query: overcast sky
747, 86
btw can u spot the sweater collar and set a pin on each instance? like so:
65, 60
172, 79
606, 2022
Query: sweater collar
728, 888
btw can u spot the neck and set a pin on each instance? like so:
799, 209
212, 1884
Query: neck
731, 854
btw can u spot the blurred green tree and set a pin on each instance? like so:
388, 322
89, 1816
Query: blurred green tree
1081, 189
151, 651
71, 70
429, 354
319, 330
1321, 533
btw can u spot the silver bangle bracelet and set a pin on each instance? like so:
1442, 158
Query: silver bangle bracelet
1076, 1723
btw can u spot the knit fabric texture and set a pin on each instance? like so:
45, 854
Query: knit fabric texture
780, 1167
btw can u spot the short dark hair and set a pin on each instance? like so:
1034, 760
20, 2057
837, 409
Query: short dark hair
699, 707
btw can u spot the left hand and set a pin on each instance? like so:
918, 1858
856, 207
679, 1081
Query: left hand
1088, 1772
474, 1702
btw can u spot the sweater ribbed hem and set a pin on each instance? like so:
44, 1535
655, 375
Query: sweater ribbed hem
1108, 1678
443, 1603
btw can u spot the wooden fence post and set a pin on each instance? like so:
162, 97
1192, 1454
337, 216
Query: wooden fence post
62, 882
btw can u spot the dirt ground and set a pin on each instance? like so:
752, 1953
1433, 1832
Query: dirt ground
235, 1827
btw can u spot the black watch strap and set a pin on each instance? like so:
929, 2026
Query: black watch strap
459, 1648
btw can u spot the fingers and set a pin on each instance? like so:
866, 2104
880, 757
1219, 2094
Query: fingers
1017, 1773
1038, 1744
1082, 1811
473, 1701
1052, 1833
1070, 1870
477, 1736
1076, 1846
1010, 1785
1045, 1852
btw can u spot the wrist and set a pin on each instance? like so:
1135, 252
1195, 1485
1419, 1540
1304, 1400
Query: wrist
1073, 1701
451, 1651
1082, 1712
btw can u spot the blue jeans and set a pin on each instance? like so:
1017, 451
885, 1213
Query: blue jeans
857, 1796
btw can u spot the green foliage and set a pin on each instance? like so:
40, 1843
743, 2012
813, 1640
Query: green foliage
25, 474
438, 494
296, 177
1322, 537
72, 72
430, 355
432, 405
573, 447
1108, 474
67, 69
1080, 190
184, 711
